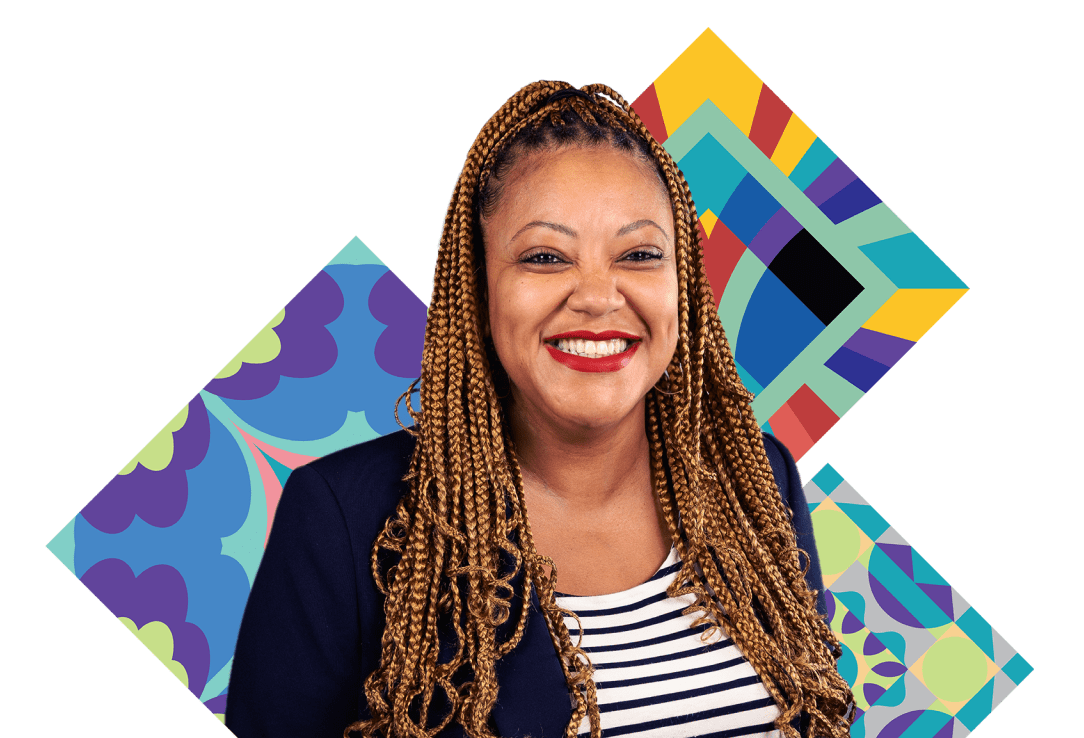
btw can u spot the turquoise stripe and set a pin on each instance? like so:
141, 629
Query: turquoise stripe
900, 586
747, 379
217, 684
1017, 668
978, 707
910, 263
978, 630
712, 173
928, 724
866, 518
813, 163
924, 573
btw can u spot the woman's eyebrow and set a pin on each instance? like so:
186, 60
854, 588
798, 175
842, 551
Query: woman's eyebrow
544, 224
626, 229
640, 224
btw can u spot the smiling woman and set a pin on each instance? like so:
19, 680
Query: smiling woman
591, 265
581, 415
583, 313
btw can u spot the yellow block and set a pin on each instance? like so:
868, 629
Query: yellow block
708, 220
910, 313
708, 70
795, 141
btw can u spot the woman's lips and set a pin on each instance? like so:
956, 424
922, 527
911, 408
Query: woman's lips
594, 364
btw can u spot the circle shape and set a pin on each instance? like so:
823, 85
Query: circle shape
838, 540
954, 669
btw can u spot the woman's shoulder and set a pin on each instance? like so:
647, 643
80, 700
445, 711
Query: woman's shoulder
783, 466
383, 459
366, 479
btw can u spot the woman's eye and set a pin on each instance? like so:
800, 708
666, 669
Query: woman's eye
643, 255
541, 257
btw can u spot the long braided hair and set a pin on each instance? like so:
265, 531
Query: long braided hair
442, 559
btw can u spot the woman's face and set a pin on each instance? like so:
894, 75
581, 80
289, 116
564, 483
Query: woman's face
581, 247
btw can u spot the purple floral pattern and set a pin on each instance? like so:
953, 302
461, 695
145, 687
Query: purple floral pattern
157, 497
308, 349
158, 594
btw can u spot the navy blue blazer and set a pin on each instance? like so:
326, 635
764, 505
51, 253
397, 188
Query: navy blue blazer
311, 630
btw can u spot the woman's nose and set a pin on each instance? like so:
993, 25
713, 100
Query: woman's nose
596, 293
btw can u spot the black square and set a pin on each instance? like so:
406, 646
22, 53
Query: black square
815, 277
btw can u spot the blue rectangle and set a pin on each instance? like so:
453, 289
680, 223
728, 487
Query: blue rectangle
748, 209
861, 371
853, 199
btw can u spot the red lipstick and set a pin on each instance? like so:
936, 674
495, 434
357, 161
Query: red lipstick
599, 364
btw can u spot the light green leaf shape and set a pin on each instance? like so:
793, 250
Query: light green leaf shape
157, 454
260, 350
157, 637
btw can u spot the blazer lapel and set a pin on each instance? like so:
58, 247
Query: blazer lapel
532, 698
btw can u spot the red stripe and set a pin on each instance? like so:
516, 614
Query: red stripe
721, 254
647, 107
788, 429
813, 414
769, 121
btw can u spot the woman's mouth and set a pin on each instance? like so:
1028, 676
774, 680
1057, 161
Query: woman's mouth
592, 349
588, 352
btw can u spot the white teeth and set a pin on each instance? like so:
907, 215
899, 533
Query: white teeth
593, 349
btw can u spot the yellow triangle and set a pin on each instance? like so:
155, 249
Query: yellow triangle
916, 668
865, 556
949, 708
708, 219
866, 543
909, 313
708, 70
953, 631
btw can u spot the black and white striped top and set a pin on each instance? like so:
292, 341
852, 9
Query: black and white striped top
654, 675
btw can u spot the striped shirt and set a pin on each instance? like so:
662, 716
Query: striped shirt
655, 677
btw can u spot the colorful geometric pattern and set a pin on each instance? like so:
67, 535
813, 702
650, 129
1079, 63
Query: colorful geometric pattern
171, 545
821, 290
820, 287
920, 660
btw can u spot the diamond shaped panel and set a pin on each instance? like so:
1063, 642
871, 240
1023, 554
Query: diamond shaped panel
955, 668
820, 287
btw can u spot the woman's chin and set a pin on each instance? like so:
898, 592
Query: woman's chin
582, 407
594, 416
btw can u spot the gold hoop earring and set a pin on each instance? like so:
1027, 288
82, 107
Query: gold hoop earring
666, 376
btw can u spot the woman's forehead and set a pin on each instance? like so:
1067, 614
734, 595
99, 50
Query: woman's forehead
603, 153
568, 176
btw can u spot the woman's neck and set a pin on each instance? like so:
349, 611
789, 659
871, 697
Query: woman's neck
583, 468
590, 502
